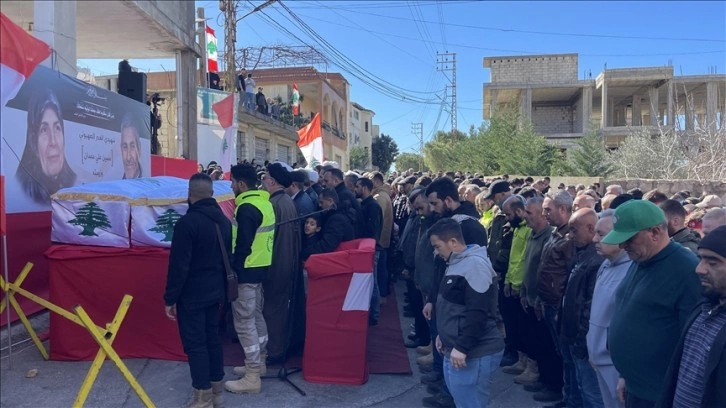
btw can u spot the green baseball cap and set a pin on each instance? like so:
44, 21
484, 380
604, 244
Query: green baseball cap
632, 217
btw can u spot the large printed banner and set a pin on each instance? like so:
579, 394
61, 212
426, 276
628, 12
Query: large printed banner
60, 132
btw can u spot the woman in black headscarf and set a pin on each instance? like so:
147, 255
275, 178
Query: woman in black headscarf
43, 169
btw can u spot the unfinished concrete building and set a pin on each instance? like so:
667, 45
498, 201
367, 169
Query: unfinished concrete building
548, 92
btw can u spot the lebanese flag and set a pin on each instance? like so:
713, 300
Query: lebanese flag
225, 114
310, 142
211, 51
20, 53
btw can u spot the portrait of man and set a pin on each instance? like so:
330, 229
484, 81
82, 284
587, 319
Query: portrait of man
130, 147
43, 168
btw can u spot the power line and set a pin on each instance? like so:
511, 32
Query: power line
554, 33
474, 47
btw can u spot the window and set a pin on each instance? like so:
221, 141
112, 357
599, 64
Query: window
355, 114
366, 126
283, 153
241, 145
339, 159
262, 149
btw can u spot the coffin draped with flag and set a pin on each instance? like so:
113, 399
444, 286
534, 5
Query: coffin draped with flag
340, 285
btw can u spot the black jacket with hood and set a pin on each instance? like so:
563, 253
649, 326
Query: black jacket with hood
196, 277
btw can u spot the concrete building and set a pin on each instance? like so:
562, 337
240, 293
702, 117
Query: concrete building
548, 92
360, 130
118, 29
328, 93
259, 136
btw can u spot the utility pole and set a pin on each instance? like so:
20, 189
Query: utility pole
417, 130
446, 62
229, 8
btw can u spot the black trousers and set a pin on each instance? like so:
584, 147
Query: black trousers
514, 321
538, 344
631, 401
421, 326
199, 332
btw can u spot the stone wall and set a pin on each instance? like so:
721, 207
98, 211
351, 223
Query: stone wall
541, 69
549, 120
670, 187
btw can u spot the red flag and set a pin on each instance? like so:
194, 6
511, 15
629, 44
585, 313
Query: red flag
225, 111
20, 53
211, 50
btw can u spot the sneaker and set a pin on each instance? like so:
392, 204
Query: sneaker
433, 389
426, 360
432, 378
439, 400
536, 387
424, 350
548, 396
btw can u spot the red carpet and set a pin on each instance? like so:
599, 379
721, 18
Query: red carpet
386, 353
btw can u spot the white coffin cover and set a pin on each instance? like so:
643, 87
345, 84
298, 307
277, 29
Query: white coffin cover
154, 215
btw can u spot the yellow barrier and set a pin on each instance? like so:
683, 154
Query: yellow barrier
103, 336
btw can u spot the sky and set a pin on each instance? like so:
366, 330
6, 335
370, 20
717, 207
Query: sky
387, 49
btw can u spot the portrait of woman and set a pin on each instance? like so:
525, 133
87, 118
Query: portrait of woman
43, 168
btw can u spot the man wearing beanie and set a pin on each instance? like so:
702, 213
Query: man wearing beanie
285, 268
697, 374
652, 303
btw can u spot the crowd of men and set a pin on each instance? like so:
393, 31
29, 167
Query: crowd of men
588, 300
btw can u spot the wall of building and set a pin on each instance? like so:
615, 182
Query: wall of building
670, 187
553, 119
550, 69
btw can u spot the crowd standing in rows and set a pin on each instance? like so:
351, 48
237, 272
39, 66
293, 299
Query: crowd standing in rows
589, 300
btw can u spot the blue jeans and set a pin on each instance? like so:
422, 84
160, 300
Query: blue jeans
589, 385
470, 385
249, 101
375, 310
382, 272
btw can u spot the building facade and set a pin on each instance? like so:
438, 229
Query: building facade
360, 130
327, 93
561, 106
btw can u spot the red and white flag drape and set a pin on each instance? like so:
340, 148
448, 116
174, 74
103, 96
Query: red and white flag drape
20, 53
225, 114
310, 142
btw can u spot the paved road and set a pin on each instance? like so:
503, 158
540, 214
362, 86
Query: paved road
167, 384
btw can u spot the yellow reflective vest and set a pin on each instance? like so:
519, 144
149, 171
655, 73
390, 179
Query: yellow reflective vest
261, 254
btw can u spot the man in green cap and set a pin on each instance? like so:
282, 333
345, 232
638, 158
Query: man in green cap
653, 302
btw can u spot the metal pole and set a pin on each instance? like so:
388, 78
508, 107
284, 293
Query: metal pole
7, 300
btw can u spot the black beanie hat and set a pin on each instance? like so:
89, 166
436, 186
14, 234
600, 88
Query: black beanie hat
715, 241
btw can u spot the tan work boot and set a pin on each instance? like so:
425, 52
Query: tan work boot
201, 399
218, 393
530, 375
423, 350
428, 359
240, 371
249, 384
517, 368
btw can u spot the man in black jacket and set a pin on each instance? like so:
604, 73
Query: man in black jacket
576, 302
371, 217
347, 204
336, 226
443, 197
697, 373
195, 288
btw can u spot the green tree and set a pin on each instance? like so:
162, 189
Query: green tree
165, 224
383, 152
358, 158
414, 161
590, 158
90, 217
